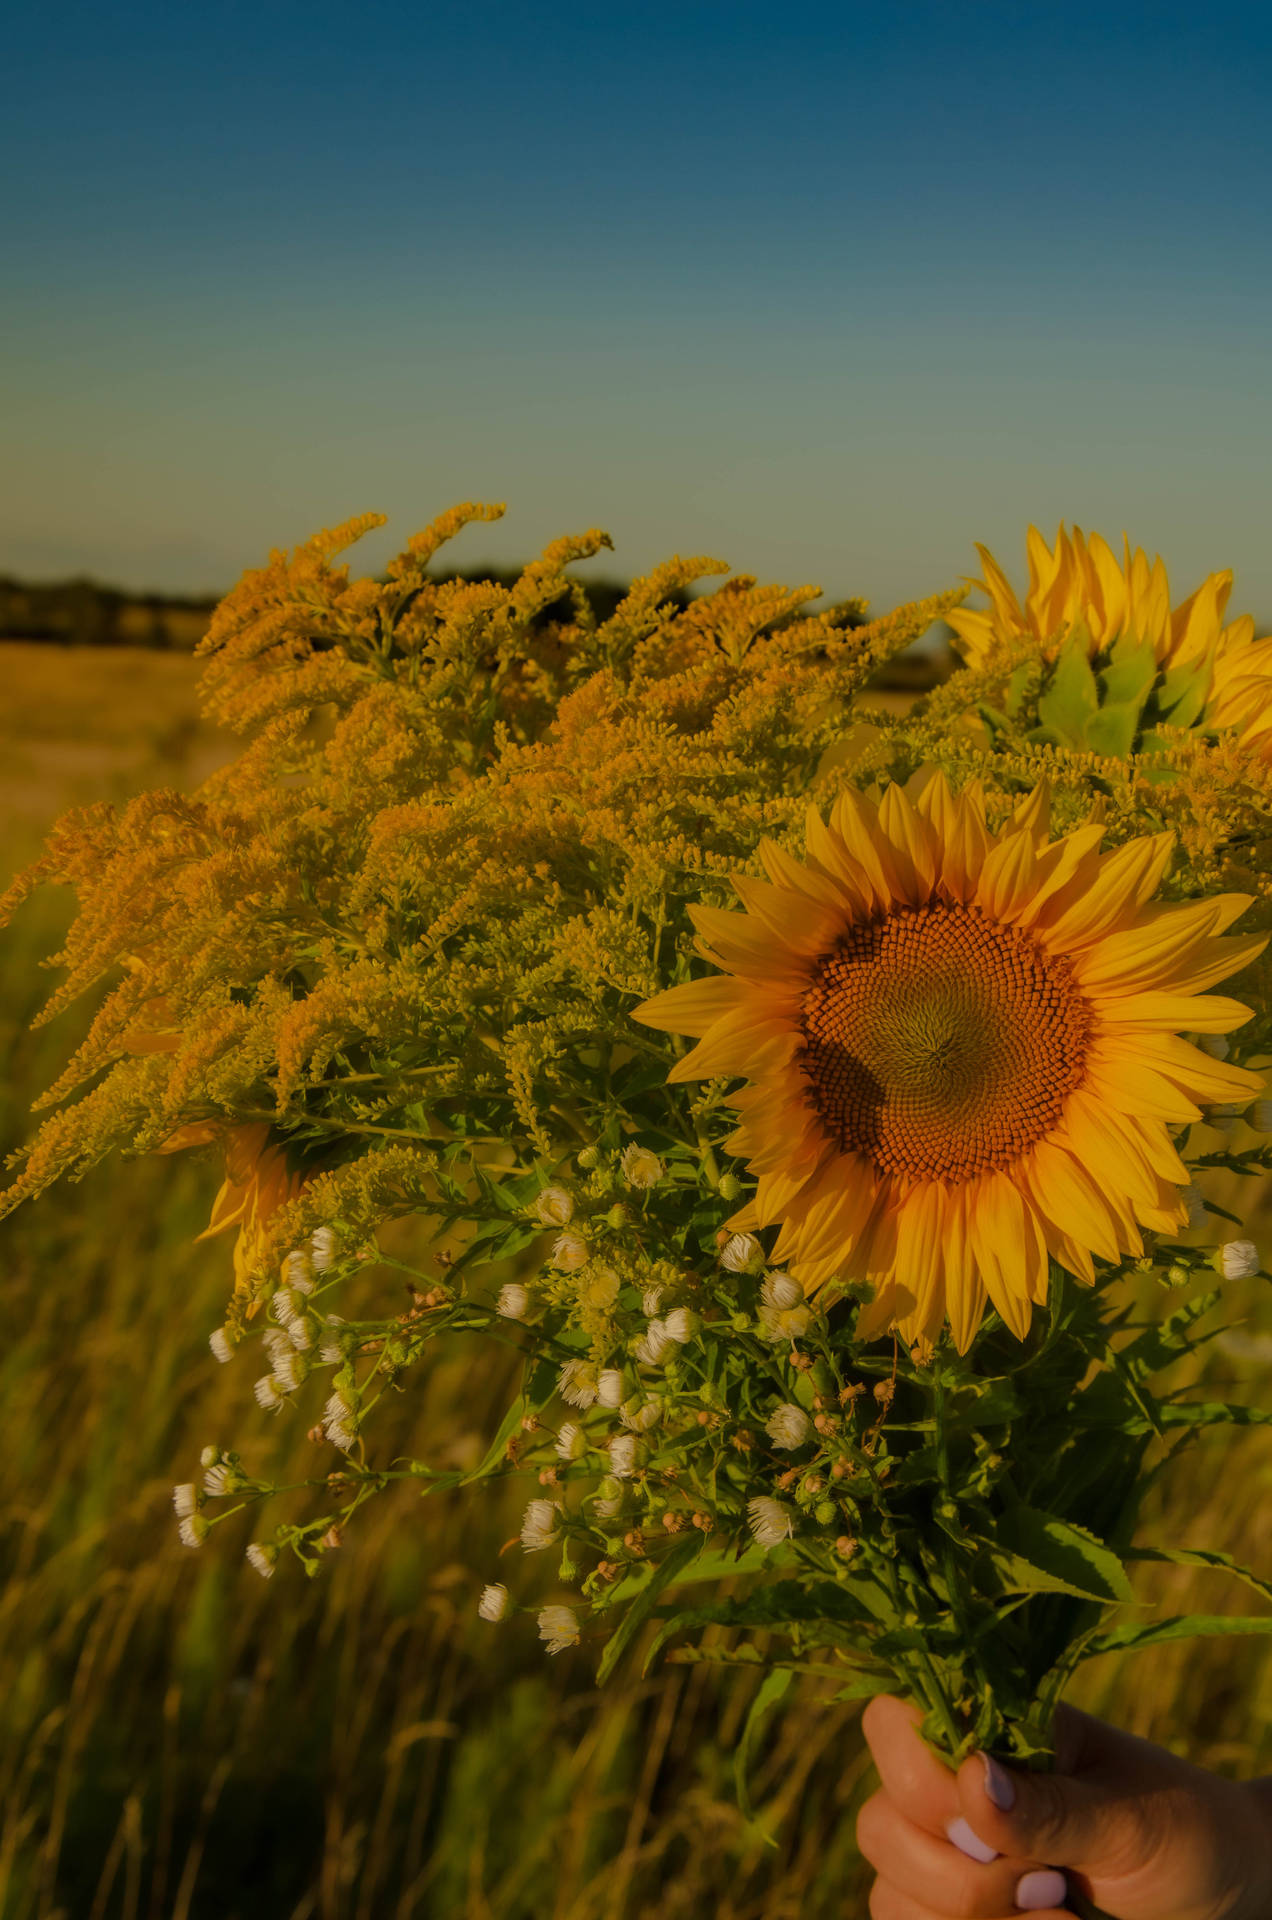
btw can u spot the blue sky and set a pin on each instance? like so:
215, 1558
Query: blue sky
830, 292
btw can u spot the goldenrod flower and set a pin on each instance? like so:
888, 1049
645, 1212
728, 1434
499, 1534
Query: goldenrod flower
962, 1051
1082, 584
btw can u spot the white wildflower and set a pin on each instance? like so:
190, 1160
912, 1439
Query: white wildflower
267, 1394
609, 1388
493, 1604
276, 1340
569, 1252
681, 1325
263, 1559
553, 1207
576, 1384
322, 1249
513, 1301
771, 1521
1260, 1116
655, 1343
1215, 1044
571, 1441
193, 1531
1195, 1206
641, 1168
622, 1453
780, 1291
788, 1324
340, 1422
539, 1525
559, 1627
301, 1332
218, 1479
640, 1414
286, 1304
740, 1253
185, 1499
650, 1301
298, 1271
1222, 1115
1239, 1259
289, 1370
603, 1289
331, 1353
221, 1344
787, 1426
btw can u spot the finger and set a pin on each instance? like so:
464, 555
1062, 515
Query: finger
941, 1879
924, 1789
889, 1902
1048, 1817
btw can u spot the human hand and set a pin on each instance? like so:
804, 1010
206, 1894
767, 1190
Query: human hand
1144, 1836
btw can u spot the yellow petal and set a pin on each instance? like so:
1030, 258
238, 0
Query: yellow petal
696, 1005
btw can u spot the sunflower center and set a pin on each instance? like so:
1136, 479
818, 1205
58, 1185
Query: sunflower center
941, 1044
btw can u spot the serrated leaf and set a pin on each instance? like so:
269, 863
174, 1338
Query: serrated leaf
1183, 1626
1061, 1557
775, 1683
643, 1605
1199, 1557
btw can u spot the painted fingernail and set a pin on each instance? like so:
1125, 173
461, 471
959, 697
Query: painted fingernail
968, 1842
1046, 1888
999, 1784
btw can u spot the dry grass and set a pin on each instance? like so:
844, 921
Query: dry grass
182, 1741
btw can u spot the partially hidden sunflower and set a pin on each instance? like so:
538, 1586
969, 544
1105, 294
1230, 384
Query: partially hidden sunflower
962, 1049
1080, 583
1079, 586
257, 1178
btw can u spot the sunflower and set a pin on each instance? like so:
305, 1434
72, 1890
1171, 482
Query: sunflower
1242, 695
1081, 584
962, 1050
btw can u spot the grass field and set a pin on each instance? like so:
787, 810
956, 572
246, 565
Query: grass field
182, 1741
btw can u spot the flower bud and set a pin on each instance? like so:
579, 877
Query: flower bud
587, 1158
609, 1388
780, 1291
770, 1520
730, 1186
622, 1453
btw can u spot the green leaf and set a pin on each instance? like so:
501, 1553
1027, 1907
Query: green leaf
1112, 730
1039, 1553
1182, 695
775, 1683
1073, 696
1184, 1626
1199, 1557
1131, 671
643, 1605
533, 1397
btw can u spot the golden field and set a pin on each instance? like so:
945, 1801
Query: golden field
183, 1740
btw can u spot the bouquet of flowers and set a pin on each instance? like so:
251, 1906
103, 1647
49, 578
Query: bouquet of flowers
806, 1092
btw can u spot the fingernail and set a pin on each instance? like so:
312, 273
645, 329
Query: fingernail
968, 1842
999, 1784
1046, 1888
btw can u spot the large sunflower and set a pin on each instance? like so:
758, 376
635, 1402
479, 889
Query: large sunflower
1081, 584
962, 1050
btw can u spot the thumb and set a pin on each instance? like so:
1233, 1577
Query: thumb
1065, 1820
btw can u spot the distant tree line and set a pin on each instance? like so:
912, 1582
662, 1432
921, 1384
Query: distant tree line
82, 613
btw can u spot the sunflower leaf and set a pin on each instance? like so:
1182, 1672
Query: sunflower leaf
1038, 1552
1131, 671
1073, 696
